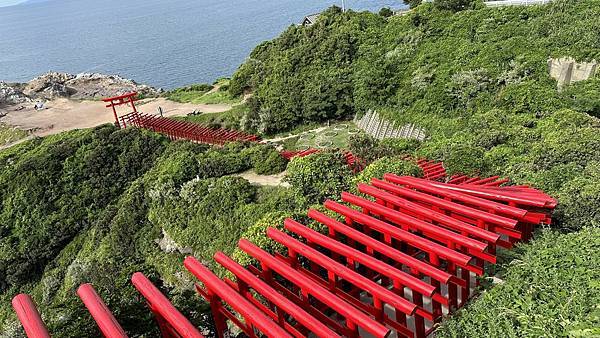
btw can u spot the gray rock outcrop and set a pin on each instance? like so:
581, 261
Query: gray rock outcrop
48, 86
566, 70
11, 94
167, 244
94, 85
81, 86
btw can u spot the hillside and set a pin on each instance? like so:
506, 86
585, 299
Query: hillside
429, 64
478, 81
97, 205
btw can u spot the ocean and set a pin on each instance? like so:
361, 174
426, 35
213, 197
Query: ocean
168, 43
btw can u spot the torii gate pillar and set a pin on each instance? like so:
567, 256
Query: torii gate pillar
125, 99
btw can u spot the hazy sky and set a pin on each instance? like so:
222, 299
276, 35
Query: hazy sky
4, 3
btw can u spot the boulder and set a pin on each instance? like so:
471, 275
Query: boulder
48, 86
10, 95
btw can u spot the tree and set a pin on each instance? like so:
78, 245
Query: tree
453, 5
386, 12
412, 3
320, 176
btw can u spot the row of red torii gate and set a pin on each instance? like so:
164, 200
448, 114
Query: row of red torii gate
394, 258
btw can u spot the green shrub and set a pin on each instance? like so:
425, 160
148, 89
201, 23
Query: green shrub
459, 155
579, 200
386, 12
257, 234
561, 147
585, 96
412, 3
454, 5
394, 165
266, 160
58, 188
552, 290
368, 149
273, 164
319, 176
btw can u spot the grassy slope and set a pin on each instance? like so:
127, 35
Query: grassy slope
204, 94
10, 134
552, 289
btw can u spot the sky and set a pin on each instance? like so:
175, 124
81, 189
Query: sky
4, 3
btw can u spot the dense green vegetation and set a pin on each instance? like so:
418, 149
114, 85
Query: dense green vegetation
552, 290
477, 80
97, 205
229, 119
318, 177
189, 93
429, 64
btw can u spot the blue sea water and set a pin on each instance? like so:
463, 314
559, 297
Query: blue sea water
165, 43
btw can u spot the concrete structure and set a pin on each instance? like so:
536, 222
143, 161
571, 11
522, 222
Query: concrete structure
566, 70
380, 129
309, 20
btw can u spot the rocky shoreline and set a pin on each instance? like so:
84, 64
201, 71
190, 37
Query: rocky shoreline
83, 86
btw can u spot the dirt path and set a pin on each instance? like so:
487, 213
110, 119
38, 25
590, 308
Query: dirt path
271, 180
283, 138
64, 114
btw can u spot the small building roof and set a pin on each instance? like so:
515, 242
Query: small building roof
310, 19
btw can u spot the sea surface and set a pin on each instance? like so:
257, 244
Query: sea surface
164, 43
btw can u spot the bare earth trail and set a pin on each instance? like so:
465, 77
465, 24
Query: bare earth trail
271, 180
63, 114
283, 138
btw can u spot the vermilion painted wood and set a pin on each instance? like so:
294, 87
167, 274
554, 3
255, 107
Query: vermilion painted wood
380, 293
375, 246
274, 297
445, 204
400, 277
418, 235
107, 323
253, 316
354, 317
29, 317
435, 250
427, 229
427, 213
163, 309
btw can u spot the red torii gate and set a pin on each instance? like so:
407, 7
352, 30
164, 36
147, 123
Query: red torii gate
174, 129
125, 99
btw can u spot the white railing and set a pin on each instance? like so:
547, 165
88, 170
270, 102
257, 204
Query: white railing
380, 129
501, 3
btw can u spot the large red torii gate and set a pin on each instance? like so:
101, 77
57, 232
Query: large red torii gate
125, 99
